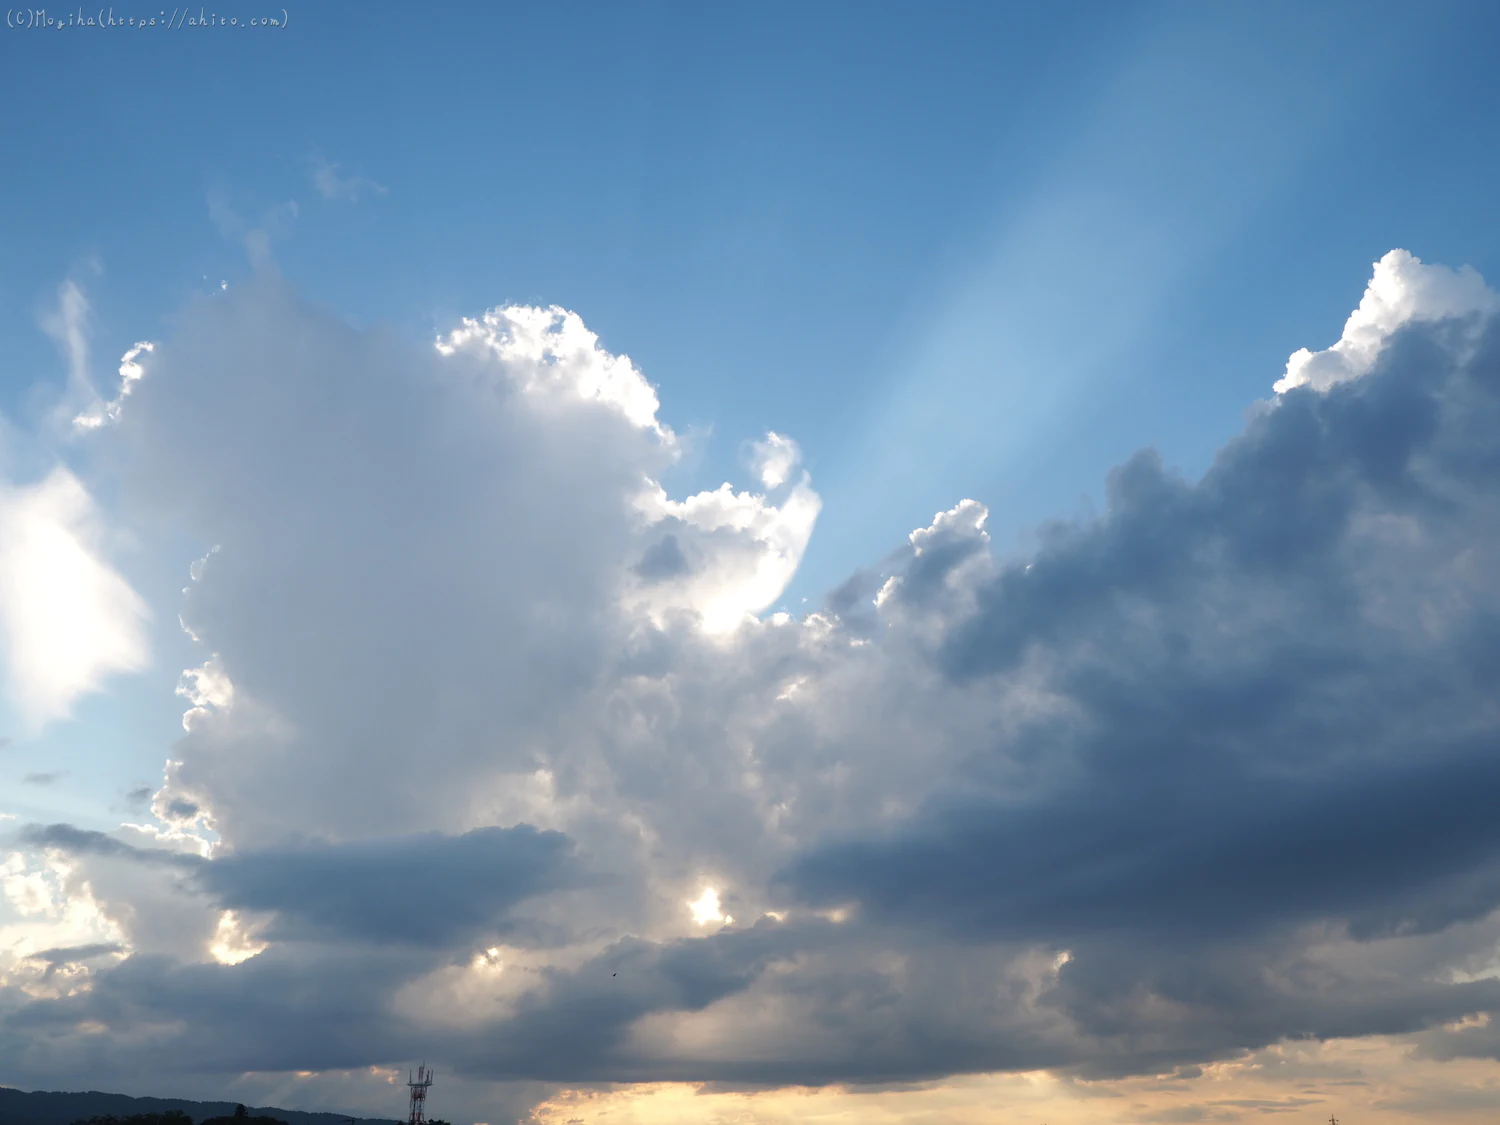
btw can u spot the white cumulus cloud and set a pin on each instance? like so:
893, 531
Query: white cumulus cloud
1404, 289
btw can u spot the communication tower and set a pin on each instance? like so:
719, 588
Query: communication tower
418, 1088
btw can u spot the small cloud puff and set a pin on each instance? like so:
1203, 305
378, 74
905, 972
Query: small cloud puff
774, 459
332, 186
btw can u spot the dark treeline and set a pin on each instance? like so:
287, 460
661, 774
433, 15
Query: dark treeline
240, 1116
19, 1107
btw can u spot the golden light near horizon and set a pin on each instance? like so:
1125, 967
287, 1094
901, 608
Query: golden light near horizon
1361, 1082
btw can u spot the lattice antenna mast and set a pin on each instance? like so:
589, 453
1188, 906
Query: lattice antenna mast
418, 1090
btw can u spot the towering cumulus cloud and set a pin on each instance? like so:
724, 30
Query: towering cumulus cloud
1213, 770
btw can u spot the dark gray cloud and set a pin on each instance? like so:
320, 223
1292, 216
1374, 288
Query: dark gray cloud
56, 959
77, 953
82, 841
663, 559
1184, 856
285, 1009
326, 1006
1257, 730
575, 1029
427, 890
180, 809
1279, 686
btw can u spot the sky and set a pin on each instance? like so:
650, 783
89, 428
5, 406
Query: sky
753, 563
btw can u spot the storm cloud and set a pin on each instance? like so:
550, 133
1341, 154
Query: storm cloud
1276, 685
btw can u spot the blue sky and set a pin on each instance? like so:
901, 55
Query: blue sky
979, 253
858, 229
960, 251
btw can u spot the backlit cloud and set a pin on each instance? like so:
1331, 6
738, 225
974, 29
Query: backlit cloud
69, 620
491, 757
